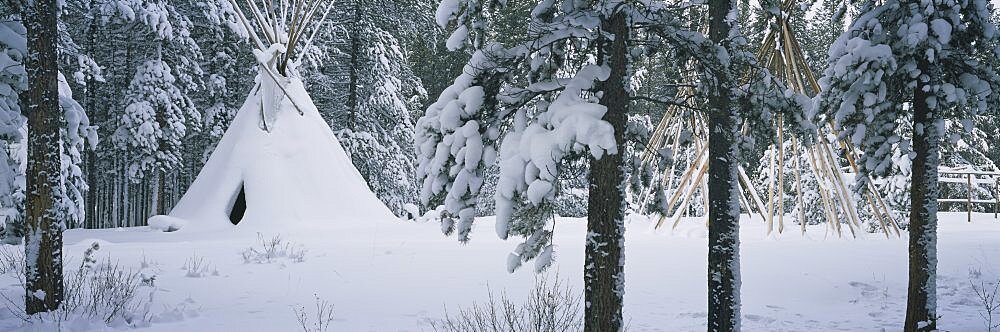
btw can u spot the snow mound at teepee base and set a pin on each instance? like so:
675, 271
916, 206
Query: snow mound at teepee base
294, 173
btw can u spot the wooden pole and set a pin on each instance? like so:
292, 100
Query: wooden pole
753, 192
684, 180
781, 176
969, 202
687, 198
872, 192
704, 192
828, 208
745, 202
798, 184
839, 187
770, 193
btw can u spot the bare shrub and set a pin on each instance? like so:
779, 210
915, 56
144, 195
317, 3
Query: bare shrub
11, 259
323, 316
267, 250
550, 307
106, 291
990, 301
198, 267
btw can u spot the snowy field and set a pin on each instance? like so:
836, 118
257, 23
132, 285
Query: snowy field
386, 276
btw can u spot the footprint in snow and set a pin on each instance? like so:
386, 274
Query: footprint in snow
693, 314
863, 286
759, 319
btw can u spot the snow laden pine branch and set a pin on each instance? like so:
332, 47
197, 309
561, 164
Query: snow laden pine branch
926, 63
531, 106
874, 66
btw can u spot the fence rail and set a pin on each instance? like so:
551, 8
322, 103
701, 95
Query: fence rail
972, 177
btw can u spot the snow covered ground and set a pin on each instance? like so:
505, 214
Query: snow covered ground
383, 276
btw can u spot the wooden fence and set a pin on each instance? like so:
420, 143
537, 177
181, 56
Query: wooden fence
972, 178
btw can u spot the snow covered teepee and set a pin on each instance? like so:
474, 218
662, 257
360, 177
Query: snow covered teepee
278, 161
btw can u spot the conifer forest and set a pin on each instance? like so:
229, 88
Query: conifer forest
500, 165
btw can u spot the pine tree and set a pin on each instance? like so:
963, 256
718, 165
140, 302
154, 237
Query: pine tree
13, 81
467, 115
924, 61
367, 91
75, 132
113, 41
379, 130
77, 135
823, 26
563, 91
43, 239
154, 122
723, 190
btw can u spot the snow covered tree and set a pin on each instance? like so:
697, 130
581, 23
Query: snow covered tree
459, 132
45, 223
367, 91
927, 61
723, 187
76, 136
824, 22
155, 121
195, 40
75, 132
158, 110
379, 130
13, 81
41, 185
228, 69
562, 92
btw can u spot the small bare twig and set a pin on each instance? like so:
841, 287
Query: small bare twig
990, 301
324, 316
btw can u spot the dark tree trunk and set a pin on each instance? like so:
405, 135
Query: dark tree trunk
352, 89
603, 276
161, 194
91, 204
43, 240
723, 199
921, 312
90, 155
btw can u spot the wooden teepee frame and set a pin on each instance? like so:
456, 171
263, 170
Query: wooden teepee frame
781, 54
283, 23
279, 27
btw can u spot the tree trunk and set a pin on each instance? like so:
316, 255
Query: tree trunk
161, 194
352, 89
723, 209
921, 309
90, 155
603, 276
43, 239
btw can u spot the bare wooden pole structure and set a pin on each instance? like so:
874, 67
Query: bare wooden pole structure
270, 25
783, 56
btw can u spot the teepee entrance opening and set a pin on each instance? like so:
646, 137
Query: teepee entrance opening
239, 207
